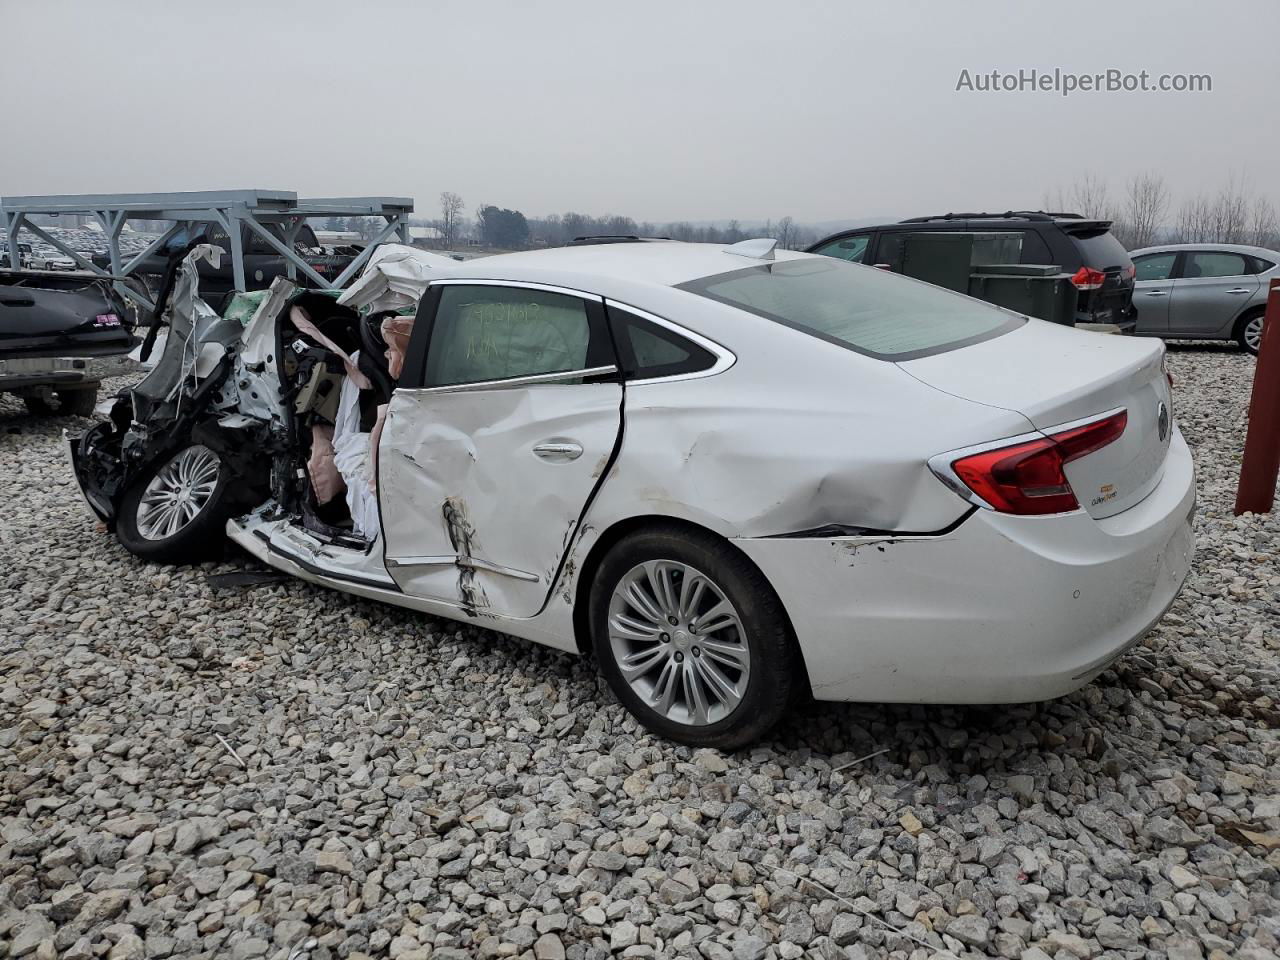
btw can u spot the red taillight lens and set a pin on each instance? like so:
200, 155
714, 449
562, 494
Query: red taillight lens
1087, 278
1027, 478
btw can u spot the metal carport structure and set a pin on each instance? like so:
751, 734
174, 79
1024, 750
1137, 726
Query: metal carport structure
229, 208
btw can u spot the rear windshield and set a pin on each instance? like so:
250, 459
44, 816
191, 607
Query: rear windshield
1100, 250
867, 310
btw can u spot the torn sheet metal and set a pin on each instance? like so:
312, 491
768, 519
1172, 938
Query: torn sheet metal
394, 278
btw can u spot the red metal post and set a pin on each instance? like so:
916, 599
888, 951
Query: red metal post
1257, 490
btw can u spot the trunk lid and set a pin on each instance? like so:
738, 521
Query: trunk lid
1056, 377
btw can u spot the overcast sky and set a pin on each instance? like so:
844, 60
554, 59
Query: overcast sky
653, 109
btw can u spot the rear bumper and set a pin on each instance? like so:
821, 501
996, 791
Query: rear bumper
1000, 610
22, 372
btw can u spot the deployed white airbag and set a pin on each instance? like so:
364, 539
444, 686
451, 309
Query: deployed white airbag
394, 278
351, 457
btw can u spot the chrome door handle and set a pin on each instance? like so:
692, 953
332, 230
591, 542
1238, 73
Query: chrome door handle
1156, 293
1238, 290
558, 451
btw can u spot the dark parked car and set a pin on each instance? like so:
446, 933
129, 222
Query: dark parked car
50, 326
1099, 266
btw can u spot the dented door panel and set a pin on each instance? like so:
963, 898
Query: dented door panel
482, 489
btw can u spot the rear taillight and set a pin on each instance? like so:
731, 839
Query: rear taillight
1028, 478
1087, 278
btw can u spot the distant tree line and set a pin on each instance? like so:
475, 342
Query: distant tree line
505, 229
1143, 213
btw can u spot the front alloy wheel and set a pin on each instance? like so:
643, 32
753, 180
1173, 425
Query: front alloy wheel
178, 492
175, 512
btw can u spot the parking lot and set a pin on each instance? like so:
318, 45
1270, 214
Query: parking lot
191, 765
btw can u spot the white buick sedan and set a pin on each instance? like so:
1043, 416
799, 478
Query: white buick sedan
735, 475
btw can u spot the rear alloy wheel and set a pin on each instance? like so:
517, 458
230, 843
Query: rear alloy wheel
175, 513
1249, 333
692, 638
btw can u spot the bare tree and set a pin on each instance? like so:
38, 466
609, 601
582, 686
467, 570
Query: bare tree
1146, 202
1089, 197
451, 207
1223, 218
1230, 212
1193, 222
786, 233
1262, 225
1053, 200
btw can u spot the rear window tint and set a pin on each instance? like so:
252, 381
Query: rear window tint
864, 309
1100, 250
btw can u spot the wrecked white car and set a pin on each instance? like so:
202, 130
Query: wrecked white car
734, 474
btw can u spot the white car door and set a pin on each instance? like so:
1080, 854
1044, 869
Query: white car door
506, 416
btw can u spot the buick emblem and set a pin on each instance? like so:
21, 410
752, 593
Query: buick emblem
1162, 420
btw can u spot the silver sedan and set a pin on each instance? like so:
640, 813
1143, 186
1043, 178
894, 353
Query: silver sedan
1203, 291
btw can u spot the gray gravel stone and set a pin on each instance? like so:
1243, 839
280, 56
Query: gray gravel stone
426, 789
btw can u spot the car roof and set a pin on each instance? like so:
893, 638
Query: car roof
663, 263
1252, 251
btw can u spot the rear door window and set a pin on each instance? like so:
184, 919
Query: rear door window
1213, 263
484, 333
869, 311
1034, 249
852, 249
1155, 266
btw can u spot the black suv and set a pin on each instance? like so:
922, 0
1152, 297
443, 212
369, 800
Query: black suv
1101, 269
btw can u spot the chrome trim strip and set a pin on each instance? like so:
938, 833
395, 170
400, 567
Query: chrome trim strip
725, 358
513, 381
476, 564
470, 563
1083, 421
421, 561
523, 284
941, 463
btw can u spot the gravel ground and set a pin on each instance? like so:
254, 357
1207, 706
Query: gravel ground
189, 768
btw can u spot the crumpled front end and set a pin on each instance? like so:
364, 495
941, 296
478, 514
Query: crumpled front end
193, 394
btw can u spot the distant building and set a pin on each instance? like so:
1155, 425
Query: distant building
338, 238
425, 236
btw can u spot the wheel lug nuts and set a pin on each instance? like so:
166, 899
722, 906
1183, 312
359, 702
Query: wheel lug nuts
665, 638
679, 658
697, 652
672, 620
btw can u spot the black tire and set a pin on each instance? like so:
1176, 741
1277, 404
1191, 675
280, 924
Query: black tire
1242, 325
67, 403
775, 670
201, 538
